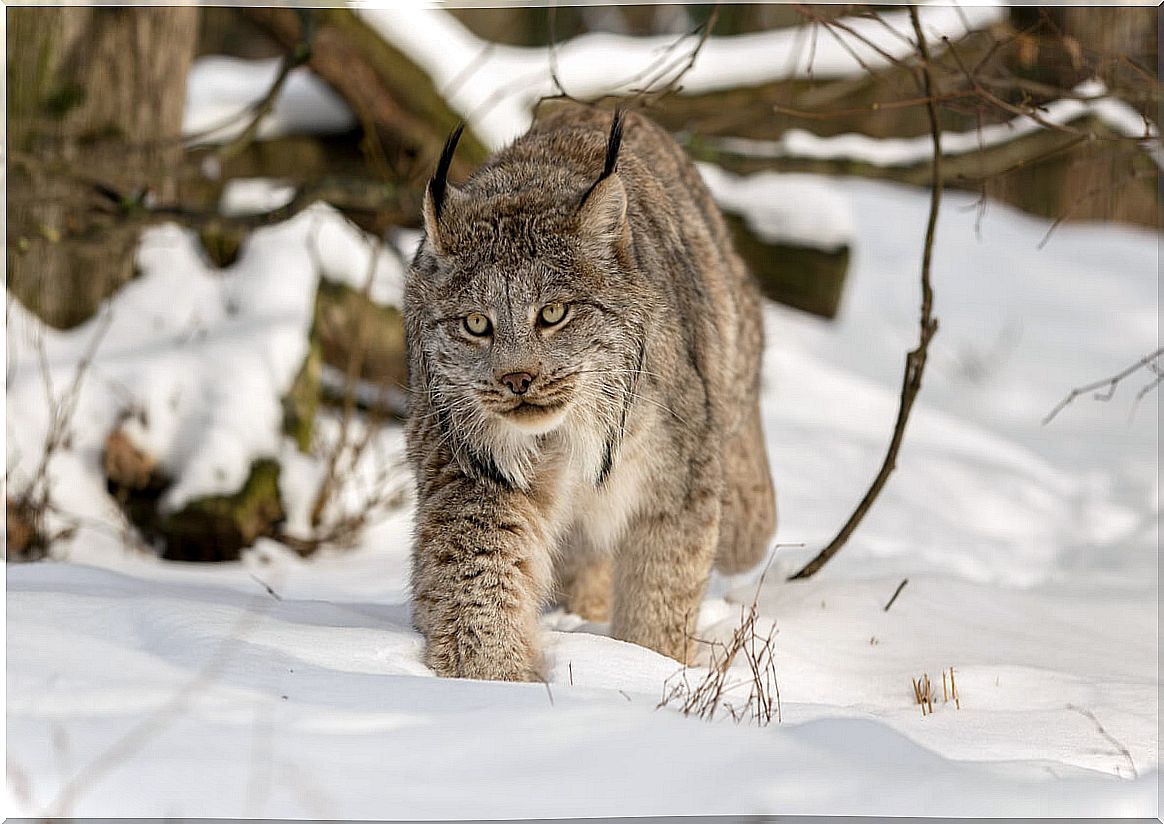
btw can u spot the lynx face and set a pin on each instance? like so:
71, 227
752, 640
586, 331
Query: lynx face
524, 299
520, 340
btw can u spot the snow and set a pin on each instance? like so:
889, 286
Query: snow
140, 688
220, 92
792, 209
254, 196
194, 360
349, 256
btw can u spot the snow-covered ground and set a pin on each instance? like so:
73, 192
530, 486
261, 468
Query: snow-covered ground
140, 688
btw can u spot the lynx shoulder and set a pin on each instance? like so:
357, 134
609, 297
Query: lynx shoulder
584, 351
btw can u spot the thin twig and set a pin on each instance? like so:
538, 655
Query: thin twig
354, 366
915, 360
649, 92
1109, 384
830, 23
1146, 389
270, 590
263, 107
896, 592
36, 501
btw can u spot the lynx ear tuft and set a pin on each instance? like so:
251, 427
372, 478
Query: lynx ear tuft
440, 180
613, 144
439, 193
602, 209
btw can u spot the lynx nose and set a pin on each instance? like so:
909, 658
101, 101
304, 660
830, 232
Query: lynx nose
518, 382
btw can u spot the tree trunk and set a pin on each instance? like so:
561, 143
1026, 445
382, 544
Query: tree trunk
95, 99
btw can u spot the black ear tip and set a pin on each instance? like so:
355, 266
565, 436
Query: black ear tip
440, 179
455, 137
614, 142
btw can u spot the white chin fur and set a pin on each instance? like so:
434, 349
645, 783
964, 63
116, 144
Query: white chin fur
536, 426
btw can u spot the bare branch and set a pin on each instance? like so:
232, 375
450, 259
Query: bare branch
1106, 387
261, 108
915, 360
704, 32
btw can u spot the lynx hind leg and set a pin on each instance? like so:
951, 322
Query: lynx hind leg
749, 501
583, 580
661, 571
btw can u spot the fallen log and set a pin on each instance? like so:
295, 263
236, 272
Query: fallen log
212, 528
1046, 172
394, 100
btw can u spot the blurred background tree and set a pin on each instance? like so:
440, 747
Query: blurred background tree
95, 101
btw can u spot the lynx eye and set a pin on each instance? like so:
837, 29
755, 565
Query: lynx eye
552, 313
477, 324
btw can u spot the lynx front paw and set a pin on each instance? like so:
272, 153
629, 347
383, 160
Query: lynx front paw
469, 655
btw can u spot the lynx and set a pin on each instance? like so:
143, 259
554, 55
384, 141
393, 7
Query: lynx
584, 351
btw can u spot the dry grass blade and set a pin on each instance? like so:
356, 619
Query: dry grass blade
925, 692
721, 687
28, 533
332, 523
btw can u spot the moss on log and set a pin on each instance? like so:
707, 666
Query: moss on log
340, 314
214, 528
301, 403
219, 527
222, 242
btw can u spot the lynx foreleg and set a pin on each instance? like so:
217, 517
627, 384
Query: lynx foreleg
481, 572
